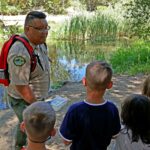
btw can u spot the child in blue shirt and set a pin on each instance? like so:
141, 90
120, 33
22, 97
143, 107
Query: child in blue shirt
92, 123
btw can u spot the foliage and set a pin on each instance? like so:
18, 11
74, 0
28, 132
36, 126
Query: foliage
57, 85
98, 27
131, 60
77, 5
11, 29
92, 5
11, 7
102, 28
15, 7
138, 16
56, 6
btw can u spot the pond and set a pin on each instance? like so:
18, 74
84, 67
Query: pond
69, 59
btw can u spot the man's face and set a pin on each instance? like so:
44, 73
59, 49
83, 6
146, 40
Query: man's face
37, 31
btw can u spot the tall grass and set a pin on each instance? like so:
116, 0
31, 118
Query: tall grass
97, 27
132, 60
102, 28
77, 28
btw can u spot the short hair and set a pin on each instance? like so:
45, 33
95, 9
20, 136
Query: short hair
98, 75
39, 119
135, 116
34, 15
146, 87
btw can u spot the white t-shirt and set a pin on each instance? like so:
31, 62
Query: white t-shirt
124, 142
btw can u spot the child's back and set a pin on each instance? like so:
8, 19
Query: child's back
90, 125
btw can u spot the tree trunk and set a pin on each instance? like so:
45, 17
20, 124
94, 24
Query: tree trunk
91, 5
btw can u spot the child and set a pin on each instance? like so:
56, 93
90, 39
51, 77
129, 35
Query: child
135, 116
146, 87
38, 123
90, 124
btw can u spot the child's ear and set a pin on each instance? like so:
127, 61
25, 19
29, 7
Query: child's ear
22, 126
84, 81
110, 84
53, 132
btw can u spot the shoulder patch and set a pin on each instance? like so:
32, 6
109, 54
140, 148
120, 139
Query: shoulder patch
19, 61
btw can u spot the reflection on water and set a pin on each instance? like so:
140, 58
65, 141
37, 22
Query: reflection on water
75, 69
71, 58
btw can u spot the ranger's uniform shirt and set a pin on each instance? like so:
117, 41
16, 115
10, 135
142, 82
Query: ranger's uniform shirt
19, 68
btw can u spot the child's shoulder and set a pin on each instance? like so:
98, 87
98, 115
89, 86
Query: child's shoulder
112, 104
76, 106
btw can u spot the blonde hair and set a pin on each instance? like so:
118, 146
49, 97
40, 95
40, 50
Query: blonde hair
98, 75
39, 119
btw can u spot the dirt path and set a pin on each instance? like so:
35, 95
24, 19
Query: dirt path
123, 86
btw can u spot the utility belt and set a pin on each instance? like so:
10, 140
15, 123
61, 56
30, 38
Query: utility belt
13, 101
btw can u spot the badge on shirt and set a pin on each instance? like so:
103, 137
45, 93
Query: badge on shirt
19, 61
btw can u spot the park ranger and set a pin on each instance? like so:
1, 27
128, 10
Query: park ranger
28, 86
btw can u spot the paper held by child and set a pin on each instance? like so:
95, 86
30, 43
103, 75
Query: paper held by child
57, 103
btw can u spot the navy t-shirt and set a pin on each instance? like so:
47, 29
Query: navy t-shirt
90, 126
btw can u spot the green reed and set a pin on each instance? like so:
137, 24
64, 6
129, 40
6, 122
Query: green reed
102, 28
97, 27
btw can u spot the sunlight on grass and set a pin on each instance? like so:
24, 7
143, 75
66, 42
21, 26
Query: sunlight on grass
132, 60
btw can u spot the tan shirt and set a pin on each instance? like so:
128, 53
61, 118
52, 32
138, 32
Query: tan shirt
20, 74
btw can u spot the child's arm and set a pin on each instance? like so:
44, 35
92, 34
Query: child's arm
67, 128
67, 142
115, 136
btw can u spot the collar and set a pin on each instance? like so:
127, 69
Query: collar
40, 141
92, 104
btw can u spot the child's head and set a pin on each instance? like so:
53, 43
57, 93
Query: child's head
39, 119
98, 75
136, 116
146, 87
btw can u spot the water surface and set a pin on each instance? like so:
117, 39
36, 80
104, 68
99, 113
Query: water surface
69, 59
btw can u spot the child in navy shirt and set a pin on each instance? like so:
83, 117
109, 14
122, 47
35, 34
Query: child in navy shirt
92, 123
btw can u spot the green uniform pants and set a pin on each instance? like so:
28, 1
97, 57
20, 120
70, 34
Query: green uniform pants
18, 105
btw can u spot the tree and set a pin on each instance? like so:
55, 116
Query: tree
91, 5
138, 16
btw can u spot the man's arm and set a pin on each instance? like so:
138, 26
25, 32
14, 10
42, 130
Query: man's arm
26, 93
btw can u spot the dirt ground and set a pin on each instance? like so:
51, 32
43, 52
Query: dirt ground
123, 86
